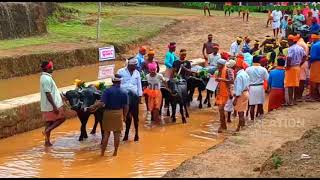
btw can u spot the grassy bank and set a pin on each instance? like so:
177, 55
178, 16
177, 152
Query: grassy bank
119, 24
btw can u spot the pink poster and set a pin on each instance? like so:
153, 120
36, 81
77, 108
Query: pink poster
106, 71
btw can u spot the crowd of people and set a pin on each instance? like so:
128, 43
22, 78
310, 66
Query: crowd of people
283, 68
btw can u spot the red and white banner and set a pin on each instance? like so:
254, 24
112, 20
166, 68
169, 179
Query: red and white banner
107, 53
106, 71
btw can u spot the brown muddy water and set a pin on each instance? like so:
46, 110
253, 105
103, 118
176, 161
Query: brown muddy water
25, 85
160, 149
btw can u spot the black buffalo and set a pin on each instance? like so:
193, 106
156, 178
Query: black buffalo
79, 100
199, 83
176, 93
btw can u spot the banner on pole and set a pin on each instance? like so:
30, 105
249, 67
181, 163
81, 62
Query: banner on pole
106, 71
107, 53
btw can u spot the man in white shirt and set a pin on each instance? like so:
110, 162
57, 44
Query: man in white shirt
258, 75
131, 82
276, 16
235, 47
213, 59
51, 103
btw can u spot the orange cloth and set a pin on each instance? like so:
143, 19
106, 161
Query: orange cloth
151, 52
265, 84
223, 92
142, 48
315, 72
241, 63
292, 77
154, 98
294, 38
242, 102
276, 99
51, 116
315, 36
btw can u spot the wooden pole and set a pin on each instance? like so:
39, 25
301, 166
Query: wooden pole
98, 23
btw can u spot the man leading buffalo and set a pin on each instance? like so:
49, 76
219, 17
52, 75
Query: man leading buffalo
51, 101
131, 82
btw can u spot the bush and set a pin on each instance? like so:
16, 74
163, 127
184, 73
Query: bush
277, 161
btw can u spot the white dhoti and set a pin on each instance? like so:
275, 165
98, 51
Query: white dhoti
229, 106
275, 24
283, 33
256, 95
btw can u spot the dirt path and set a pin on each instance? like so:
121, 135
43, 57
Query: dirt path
192, 32
242, 155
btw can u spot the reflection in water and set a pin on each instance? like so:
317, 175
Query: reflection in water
11, 88
161, 148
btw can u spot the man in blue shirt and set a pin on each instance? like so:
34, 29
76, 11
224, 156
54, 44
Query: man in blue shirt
140, 57
315, 27
169, 59
115, 102
315, 67
276, 83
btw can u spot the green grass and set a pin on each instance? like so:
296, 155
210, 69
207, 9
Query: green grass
143, 22
119, 24
277, 161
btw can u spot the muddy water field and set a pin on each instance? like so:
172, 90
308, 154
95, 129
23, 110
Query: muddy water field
161, 147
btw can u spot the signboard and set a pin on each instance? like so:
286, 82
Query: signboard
106, 71
212, 84
107, 53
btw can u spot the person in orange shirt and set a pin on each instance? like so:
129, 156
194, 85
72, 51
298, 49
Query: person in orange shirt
223, 91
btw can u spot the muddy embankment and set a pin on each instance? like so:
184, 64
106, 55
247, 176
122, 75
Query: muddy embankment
23, 118
287, 161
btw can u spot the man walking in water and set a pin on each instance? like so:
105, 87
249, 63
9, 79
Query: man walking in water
115, 103
131, 82
51, 103
224, 79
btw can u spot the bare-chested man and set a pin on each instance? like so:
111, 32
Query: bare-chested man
208, 48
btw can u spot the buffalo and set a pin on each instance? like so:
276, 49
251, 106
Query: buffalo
79, 100
176, 93
200, 84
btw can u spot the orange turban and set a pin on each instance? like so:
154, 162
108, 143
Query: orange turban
151, 52
240, 62
142, 48
294, 38
240, 56
225, 55
315, 36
